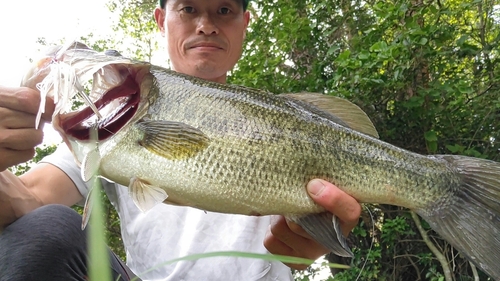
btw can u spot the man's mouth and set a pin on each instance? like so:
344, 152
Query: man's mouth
117, 106
206, 46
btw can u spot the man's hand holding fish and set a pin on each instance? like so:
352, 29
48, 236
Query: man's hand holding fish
19, 107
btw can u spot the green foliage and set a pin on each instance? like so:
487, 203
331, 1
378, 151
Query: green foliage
364, 266
136, 27
394, 229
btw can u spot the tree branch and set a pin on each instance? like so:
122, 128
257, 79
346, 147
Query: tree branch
441, 258
415, 267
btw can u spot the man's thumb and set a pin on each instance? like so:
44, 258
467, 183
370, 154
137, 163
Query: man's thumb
315, 188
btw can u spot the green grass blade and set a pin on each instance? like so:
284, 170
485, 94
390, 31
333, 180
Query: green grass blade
98, 264
268, 257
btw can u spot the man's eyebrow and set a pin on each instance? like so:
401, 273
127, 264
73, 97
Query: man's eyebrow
176, 1
238, 2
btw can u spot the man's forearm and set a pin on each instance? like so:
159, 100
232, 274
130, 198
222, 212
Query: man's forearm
16, 199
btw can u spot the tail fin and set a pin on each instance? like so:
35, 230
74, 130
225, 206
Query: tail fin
470, 221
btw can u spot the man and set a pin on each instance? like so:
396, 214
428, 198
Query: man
41, 241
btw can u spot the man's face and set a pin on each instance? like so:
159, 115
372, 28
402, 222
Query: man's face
205, 38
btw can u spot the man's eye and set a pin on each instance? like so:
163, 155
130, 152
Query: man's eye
224, 11
188, 9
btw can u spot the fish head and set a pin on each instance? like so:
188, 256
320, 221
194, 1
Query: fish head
96, 94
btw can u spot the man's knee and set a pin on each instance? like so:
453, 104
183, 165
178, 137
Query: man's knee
48, 223
43, 238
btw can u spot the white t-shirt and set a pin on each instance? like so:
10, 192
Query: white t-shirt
167, 232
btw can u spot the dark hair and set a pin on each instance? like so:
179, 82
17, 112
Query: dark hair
244, 2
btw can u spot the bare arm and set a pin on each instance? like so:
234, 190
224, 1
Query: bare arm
43, 184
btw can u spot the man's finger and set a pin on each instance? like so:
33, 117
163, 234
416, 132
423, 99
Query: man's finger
21, 139
298, 229
10, 119
20, 99
25, 100
280, 229
336, 201
14, 157
278, 247
302, 246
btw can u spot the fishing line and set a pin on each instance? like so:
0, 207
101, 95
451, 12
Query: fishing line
371, 244
86, 99
109, 131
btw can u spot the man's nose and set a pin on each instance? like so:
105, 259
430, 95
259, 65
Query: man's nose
207, 26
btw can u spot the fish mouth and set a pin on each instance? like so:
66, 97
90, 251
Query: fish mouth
116, 107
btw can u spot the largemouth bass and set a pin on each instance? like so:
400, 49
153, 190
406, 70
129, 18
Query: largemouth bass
180, 140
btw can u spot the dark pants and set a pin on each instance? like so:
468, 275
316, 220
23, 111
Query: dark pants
48, 244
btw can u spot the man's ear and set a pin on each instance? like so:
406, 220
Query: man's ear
246, 18
159, 14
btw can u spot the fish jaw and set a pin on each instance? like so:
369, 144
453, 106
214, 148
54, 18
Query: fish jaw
62, 75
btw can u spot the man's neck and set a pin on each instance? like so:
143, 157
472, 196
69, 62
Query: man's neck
221, 79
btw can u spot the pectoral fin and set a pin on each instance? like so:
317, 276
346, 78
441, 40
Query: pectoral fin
172, 140
145, 195
90, 164
325, 229
351, 114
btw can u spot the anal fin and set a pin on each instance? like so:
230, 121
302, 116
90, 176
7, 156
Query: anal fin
325, 229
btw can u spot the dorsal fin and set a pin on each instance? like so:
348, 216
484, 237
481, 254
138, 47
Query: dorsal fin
351, 114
